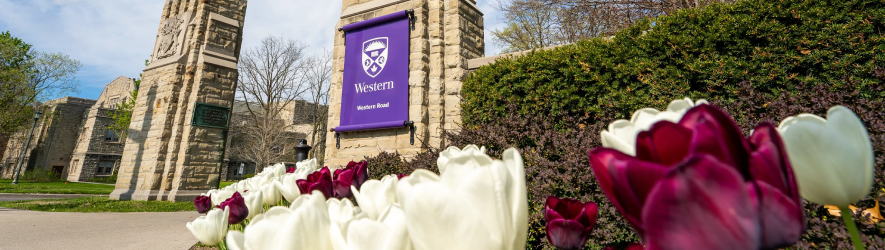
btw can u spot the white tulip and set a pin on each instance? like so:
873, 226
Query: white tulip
308, 166
477, 203
260, 180
374, 196
389, 232
832, 159
279, 169
288, 186
254, 202
621, 134
271, 194
220, 195
304, 226
453, 152
211, 228
242, 186
341, 213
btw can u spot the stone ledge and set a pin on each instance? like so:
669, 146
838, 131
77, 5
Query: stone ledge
474, 64
367, 7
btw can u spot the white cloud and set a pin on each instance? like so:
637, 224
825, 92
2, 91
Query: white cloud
114, 37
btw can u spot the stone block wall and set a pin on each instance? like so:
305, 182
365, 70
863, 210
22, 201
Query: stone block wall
53, 139
445, 34
165, 157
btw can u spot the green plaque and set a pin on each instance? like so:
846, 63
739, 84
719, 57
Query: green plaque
213, 116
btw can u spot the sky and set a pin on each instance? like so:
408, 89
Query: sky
112, 38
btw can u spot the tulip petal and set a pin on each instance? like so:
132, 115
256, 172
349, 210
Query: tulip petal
517, 196
846, 123
621, 136
566, 234
782, 218
826, 164
405, 184
702, 204
550, 208
717, 134
666, 143
769, 162
341, 189
236, 240
395, 218
367, 234
439, 219
626, 181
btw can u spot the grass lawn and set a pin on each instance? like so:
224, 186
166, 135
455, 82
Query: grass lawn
225, 184
54, 188
98, 205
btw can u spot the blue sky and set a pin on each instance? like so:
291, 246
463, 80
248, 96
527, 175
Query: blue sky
112, 38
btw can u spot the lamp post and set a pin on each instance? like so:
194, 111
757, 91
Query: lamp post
25, 149
301, 151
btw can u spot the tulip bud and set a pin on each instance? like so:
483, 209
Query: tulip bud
569, 222
211, 228
237, 206
833, 158
203, 204
621, 134
319, 181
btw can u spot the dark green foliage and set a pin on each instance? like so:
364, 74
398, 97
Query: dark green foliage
40, 175
556, 159
698, 53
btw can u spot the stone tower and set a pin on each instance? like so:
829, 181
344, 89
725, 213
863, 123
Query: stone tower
194, 63
444, 35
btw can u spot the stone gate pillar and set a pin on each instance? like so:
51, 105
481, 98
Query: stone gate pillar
445, 34
167, 156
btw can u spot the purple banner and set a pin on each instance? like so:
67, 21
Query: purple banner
375, 91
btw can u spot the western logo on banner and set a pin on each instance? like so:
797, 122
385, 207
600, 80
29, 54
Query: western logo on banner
375, 92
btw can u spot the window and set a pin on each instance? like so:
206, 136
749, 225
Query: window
111, 136
105, 167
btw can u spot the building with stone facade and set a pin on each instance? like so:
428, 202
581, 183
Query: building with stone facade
54, 138
99, 149
72, 138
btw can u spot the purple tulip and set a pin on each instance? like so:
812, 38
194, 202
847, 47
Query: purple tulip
290, 170
400, 176
355, 174
699, 184
319, 180
203, 204
569, 222
238, 209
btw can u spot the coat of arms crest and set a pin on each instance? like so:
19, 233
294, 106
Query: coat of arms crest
375, 55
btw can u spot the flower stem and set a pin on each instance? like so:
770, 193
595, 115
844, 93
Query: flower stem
852, 228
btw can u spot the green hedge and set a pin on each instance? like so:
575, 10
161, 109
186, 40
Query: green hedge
698, 53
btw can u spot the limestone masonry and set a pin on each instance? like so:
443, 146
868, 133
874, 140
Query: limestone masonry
445, 35
194, 60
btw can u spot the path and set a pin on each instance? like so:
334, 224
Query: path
20, 197
22, 230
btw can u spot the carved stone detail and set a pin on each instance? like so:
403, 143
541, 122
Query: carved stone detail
171, 36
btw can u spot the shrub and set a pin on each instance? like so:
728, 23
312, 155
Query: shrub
556, 159
40, 175
697, 53
107, 179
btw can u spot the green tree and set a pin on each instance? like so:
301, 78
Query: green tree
29, 77
123, 116
15, 69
